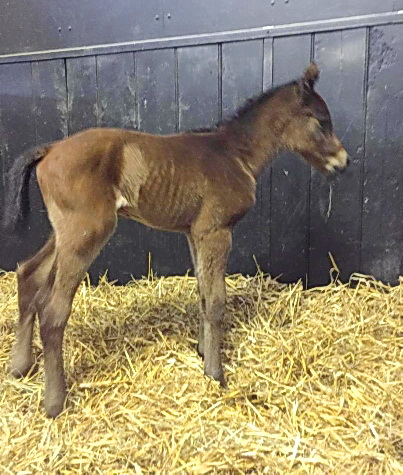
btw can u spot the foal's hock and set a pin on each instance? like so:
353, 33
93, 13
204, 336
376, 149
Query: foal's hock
197, 183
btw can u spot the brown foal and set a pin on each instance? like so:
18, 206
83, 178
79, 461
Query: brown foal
197, 183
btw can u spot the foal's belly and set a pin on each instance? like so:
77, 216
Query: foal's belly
163, 214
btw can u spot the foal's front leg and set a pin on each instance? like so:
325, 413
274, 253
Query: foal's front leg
212, 253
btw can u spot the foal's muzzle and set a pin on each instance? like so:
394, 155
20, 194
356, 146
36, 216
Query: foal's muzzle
338, 163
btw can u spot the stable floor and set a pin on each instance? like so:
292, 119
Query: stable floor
315, 382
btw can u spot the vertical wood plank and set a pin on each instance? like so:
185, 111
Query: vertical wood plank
382, 230
156, 79
242, 78
335, 205
198, 86
116, 86
50, 97
157, 112
290, 177
82, 93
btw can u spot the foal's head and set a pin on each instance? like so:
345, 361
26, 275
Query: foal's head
310, 131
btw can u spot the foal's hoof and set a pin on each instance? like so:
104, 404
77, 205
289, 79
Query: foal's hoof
217, 376
200, 351
19, 369
54, 405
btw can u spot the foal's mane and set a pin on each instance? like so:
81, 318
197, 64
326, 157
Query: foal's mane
246, 109
250, 105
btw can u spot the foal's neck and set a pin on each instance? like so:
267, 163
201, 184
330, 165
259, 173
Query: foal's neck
256, 131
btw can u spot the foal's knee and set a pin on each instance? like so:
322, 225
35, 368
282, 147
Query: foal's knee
215, 311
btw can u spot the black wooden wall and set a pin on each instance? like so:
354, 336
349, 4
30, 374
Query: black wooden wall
165, 67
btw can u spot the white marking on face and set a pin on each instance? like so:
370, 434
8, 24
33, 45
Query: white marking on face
337, 161
342, 157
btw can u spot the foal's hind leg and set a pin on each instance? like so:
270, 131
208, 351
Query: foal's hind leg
31, 275
78, 241
193, 252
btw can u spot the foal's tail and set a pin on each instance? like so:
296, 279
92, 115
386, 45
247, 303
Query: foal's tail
16, 204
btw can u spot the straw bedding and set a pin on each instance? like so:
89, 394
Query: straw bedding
315, 382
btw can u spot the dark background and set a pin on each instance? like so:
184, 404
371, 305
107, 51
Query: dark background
166, 66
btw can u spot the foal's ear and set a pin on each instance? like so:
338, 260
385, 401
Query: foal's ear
308, 80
